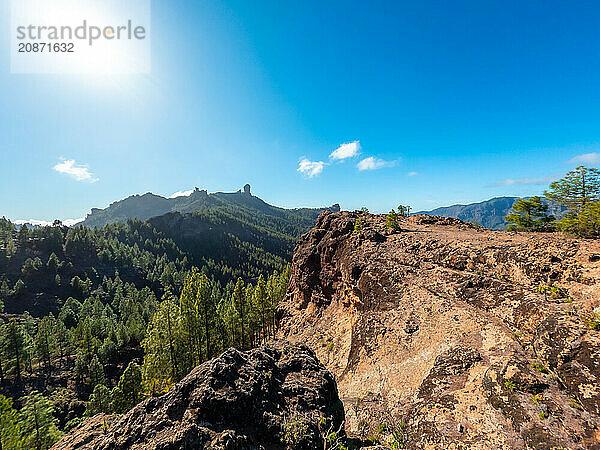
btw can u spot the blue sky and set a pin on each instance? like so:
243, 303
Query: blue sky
448, 102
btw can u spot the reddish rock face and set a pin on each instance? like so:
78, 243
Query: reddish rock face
240, 400
444, 333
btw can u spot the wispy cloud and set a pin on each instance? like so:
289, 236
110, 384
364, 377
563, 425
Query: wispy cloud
412, 174
523, 181
372, 163
79, 172
310, 168
586, 158
344, 151
182, 193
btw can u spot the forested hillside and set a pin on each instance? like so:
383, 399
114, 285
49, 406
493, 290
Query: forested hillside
96, 319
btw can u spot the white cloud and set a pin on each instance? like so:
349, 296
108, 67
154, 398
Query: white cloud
310, 168
79, 172
372, 163
45, 223
71, 222
182, 193
586, 158
42, 223
413, 174
511, 182
347, 150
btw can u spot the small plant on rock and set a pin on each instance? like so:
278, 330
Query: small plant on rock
593, 322
295, 429
363, 429
540, 368
552, 292
332, 439
575, 405
392, 434
357, 226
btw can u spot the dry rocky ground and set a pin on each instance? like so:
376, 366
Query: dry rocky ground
445, 335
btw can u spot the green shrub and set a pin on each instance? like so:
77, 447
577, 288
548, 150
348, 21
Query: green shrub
575, 405
392, 220
295, 429
554, 292
539, 368
584, 224
593, 322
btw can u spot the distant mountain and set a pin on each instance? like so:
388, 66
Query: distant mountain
143, 207
489, 213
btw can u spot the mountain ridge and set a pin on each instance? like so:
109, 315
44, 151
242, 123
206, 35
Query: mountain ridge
148, 205
487, 213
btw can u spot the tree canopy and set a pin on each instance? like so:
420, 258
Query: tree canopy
529, 215
579, 187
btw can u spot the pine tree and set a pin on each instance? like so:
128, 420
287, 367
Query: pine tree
579, 191
189, 320
40, 428
11, 248
15, 346
96, 372
19, 288
10, 427
404, 210
99, 402
207, 311
63, 339
529, 215
53, 263
45, 342
240, 305
5, 292
253, 319
23, 235
260, 302
578, 187
85, 338
162, 345
80, 369
126, 394
586, 223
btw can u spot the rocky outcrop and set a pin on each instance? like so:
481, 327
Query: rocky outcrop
273, 397
443, 334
